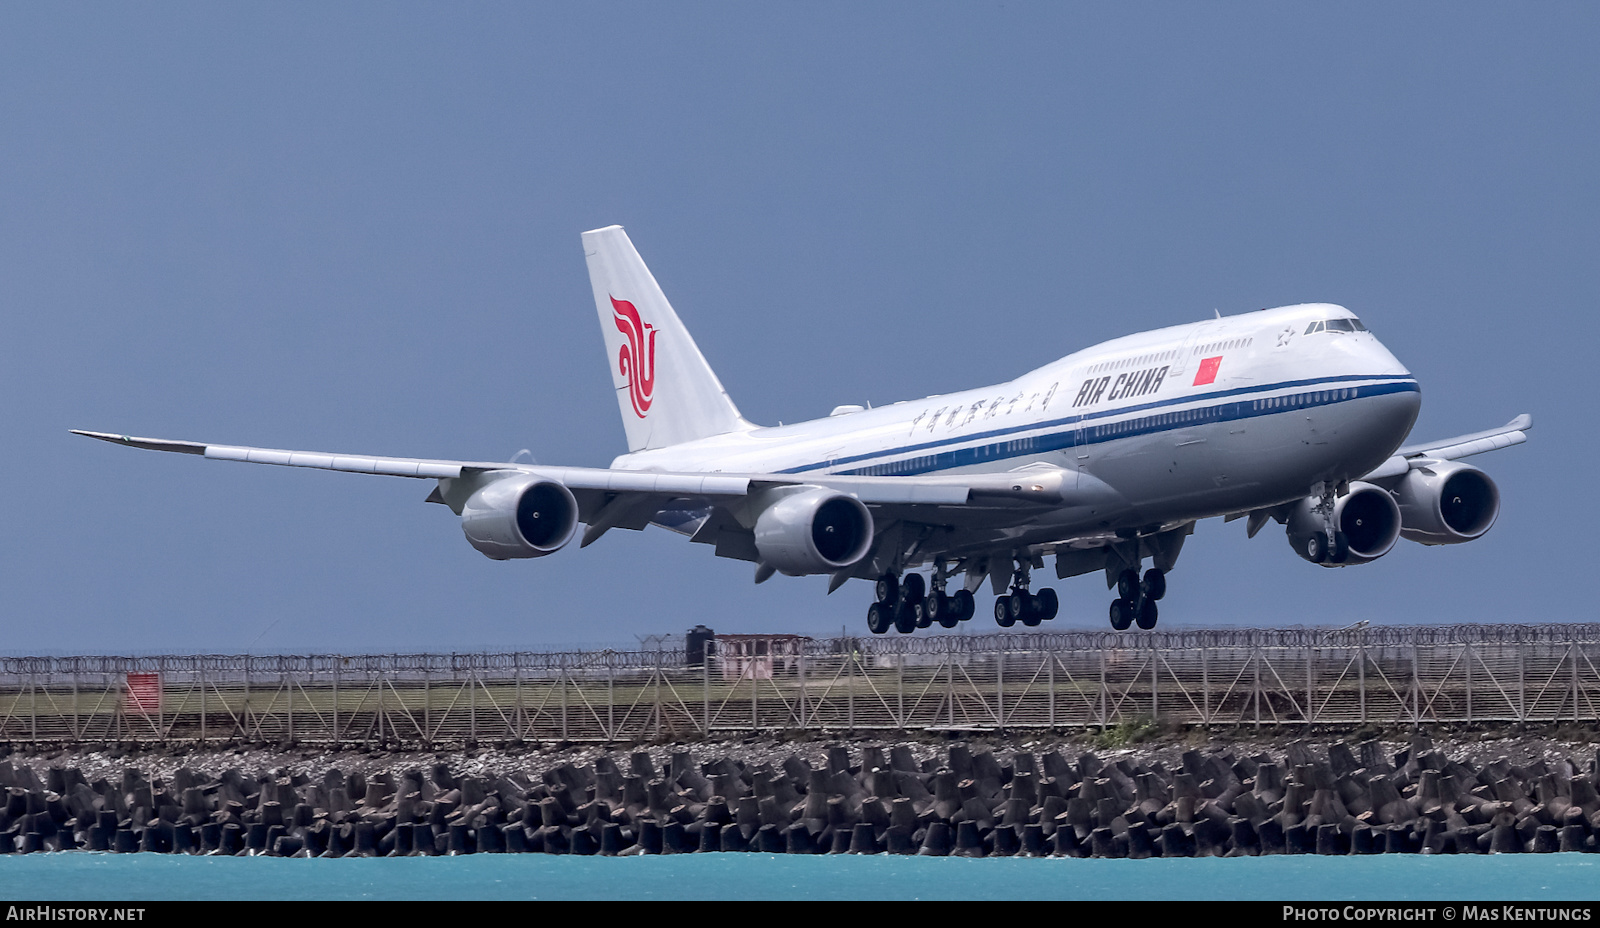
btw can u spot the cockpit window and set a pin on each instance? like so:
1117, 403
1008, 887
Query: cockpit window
1336, 325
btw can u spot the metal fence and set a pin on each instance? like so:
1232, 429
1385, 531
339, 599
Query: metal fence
1216, 677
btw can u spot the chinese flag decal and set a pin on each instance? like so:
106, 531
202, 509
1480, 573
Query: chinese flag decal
1207, 372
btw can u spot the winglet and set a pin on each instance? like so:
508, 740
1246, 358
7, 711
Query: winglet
148, 444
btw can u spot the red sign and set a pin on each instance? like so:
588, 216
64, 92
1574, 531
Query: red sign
144, 693
1208, 371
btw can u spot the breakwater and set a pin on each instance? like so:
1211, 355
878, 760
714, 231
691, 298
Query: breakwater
962, 799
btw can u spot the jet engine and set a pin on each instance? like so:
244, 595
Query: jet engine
1446, 503
814, 531
521, 516
1366, 519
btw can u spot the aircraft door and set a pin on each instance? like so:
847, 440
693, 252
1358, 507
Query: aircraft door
1186, 355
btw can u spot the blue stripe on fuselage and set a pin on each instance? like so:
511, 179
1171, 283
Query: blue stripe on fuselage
922, 458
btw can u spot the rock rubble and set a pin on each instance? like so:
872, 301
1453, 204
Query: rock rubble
960, 798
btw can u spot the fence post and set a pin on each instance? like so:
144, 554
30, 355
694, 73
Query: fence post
1572, 655
1205, 685
1361, 674
1311, 689
1468, 652
382, 681
1522, 683
244, 710
1000, 687
1104, 708
289, 687
850, 692
1255, 691
336, 662
161, 698
1416, 684
1155, 682
1051, 676
800, 675
900, 691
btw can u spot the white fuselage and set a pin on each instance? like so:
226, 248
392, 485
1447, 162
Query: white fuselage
1158, 428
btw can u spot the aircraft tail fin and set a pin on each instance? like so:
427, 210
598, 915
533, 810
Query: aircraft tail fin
666, 391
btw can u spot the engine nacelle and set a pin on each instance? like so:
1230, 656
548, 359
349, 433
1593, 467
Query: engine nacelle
1367, 515
813, 532
1446, 503
520, 516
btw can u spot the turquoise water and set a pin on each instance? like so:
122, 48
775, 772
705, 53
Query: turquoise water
86, 876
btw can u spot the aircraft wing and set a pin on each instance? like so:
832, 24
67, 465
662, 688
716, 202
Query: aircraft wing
597, 487
1450, 449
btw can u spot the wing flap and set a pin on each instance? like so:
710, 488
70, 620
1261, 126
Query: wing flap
351, 464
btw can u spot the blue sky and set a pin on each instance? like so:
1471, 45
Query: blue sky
354, 227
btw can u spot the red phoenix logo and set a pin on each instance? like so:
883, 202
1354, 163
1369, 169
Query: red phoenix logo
637, 359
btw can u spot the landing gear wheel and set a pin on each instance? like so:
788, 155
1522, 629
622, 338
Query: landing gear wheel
1155, 583
1046, 604
879, 618
1128, 585
905, 618
1032, 616
1317, 548
965, 606
936, 607
1002, 612
1021, 605
1147, 614
913, 588
1121, 615
921, 610
888, 589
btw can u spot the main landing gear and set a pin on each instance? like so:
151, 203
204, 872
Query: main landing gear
1021, 606
1330, 544
907, 605
1136, 599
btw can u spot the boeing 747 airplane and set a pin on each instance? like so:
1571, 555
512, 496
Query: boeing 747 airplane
1103, 461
